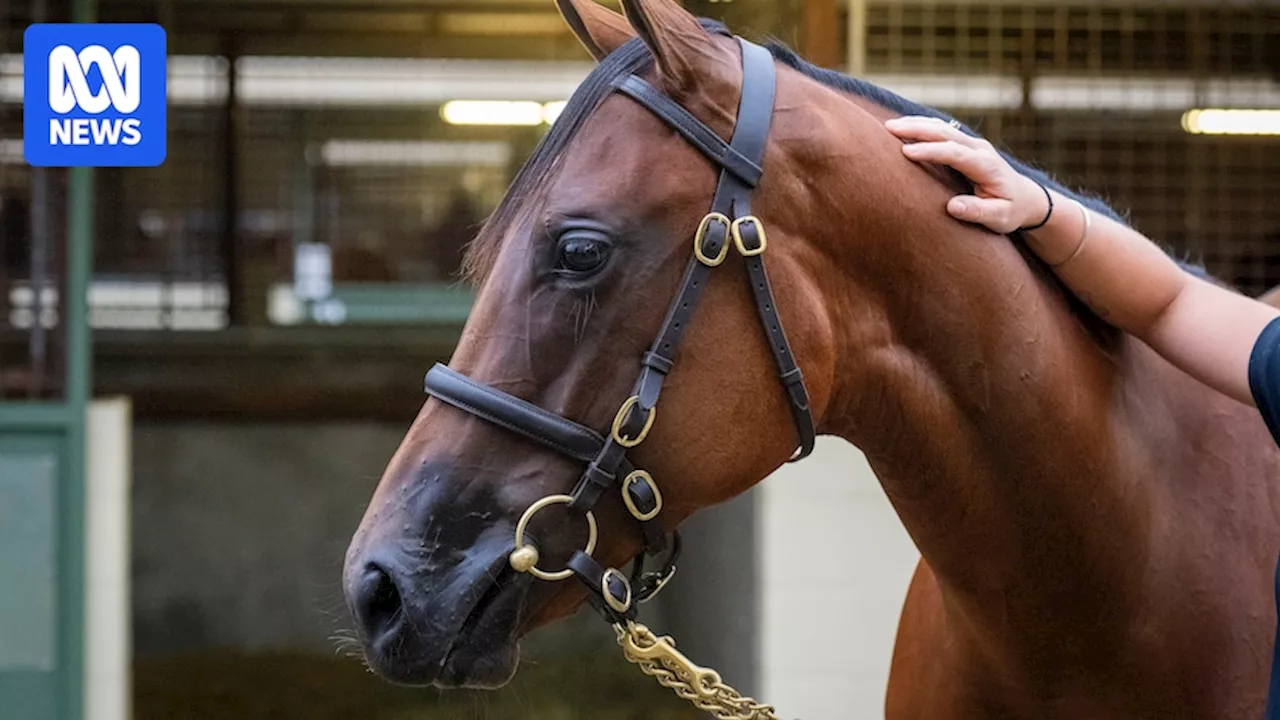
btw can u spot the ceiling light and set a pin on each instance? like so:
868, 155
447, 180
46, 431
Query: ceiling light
525, 113
492, 112
415, 153
553, 110
1231, 122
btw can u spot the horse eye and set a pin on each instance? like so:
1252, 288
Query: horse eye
581, 253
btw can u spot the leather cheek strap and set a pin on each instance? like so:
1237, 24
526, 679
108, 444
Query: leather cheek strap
608, 591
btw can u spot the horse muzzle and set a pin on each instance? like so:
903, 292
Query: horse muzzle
449, 621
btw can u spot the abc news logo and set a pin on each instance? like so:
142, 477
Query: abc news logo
94, 95
121, 90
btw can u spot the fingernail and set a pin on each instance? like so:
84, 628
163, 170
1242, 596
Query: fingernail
958, 206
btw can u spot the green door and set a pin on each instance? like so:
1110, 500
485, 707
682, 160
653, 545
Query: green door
42, 451
34, 467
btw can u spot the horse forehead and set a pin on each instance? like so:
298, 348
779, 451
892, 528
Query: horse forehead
621, 135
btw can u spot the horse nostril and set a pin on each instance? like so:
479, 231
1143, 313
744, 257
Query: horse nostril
379, 603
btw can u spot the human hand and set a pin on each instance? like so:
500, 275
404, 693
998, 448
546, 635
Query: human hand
1004, 199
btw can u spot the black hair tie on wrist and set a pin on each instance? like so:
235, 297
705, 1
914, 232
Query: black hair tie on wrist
1048, 196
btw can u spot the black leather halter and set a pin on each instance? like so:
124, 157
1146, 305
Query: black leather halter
729, 224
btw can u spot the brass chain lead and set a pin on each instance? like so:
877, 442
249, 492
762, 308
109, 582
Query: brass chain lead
658, 658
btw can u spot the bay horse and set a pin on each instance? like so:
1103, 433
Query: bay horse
1097, 529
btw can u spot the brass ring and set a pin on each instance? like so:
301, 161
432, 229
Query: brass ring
523, 525
637, 476
620, 606
631, 403
736, 229
701, 235
705, 682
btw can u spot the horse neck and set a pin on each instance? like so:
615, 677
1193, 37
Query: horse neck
988, 423
980, 399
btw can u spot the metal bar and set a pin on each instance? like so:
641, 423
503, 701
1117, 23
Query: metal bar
38, 277
303, 180
79, 262
71, 499
33, 417
231, 188
79, 348
821, 35
857, 61
38, 268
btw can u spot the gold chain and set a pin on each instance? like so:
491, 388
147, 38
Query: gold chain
659, 659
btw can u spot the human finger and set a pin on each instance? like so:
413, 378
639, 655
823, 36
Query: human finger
995, 214
965, 159
930, 129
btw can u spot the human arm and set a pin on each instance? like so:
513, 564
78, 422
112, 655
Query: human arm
1207, 331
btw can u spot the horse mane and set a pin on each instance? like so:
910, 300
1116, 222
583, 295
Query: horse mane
1102, 332
892, 101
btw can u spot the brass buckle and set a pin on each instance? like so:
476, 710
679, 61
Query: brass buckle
525, 557
631, 403
619, 606
736, 229
701, 235
647, 479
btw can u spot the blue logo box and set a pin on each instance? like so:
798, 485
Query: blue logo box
94, 95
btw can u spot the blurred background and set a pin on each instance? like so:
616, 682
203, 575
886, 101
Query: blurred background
184, 457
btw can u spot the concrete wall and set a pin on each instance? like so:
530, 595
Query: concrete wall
107, 673
712, 606
239, 530
834, 565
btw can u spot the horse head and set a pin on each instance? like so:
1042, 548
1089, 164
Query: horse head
576, 272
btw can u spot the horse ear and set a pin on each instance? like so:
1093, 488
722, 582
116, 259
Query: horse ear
598, 28
674, 36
